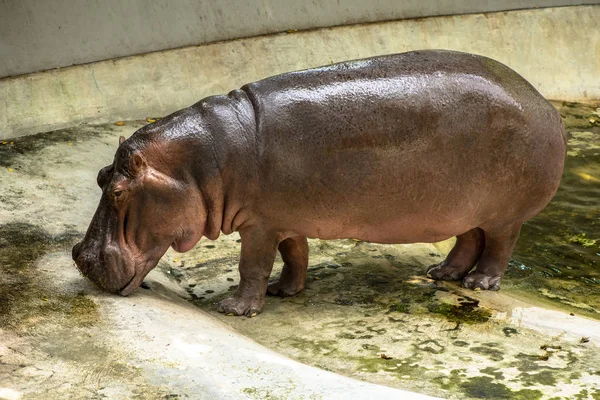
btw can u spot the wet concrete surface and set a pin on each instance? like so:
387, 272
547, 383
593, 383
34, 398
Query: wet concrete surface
368, 311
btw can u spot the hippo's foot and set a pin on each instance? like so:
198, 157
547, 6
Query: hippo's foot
461, 259
250, 307
285, 288
480, 280
499, 243
445, 271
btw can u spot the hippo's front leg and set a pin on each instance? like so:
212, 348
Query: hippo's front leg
256, 262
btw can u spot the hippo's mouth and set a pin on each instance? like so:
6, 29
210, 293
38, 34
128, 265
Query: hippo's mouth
134, 283
130, 287
181, 245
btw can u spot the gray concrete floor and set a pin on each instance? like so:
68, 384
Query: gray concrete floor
368, 313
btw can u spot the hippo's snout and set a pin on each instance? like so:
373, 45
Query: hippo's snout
76, 251
108, 267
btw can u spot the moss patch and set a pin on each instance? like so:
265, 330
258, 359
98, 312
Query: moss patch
492, 353
466, 312
26, 302
259, 393
497, 374
546, 377
483, 387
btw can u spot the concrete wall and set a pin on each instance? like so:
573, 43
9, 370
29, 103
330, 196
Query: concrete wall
39, 35
556, 49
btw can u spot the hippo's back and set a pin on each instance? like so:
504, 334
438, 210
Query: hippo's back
408, 81
396, 74
407, 125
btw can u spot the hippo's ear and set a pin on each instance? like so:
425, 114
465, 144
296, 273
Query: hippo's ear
137, 164
121, 140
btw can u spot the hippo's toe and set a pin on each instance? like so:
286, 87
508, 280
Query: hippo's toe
446, 272
284, 289
240, 306
479, 280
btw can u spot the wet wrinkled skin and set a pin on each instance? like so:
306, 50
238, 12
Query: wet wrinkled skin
143, 210
413, 147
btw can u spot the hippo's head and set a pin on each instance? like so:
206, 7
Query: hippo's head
145, 208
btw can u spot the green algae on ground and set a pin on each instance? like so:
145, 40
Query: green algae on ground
545, 377
489, 351
483, 387
497, 374
260, 394
585, 394
467, 312
25, 300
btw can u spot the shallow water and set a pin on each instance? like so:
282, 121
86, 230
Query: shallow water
558, 252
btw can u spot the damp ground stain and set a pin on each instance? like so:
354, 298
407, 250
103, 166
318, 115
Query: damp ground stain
26, 303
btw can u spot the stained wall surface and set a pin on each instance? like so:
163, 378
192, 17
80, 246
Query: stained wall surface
39, 35
556, 49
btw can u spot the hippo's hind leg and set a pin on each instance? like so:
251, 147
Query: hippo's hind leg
463, 257
499, 245
294, 252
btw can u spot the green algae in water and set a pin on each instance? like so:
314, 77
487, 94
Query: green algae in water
316, 347
582, 240
408, 368
346, 335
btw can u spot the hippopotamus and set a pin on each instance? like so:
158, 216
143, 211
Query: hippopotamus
413, 147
